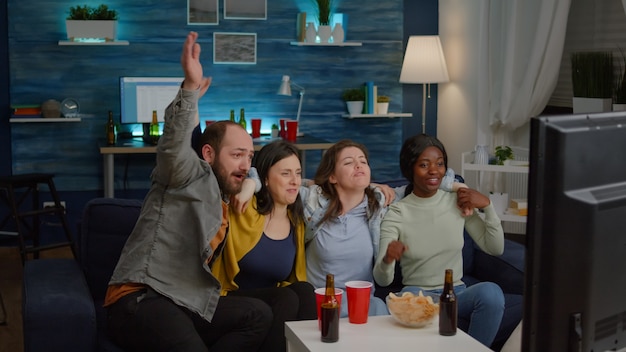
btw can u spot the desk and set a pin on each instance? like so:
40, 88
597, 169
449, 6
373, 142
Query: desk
137, 146
380, 333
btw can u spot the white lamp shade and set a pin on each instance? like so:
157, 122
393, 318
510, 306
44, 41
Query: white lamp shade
285, 86
424, 61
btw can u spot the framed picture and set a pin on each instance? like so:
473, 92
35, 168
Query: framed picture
202, 12
234, 48
245, 9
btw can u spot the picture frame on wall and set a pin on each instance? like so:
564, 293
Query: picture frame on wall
245, 9
234, 48
203, 12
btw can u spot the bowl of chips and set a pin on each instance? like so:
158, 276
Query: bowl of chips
412, 310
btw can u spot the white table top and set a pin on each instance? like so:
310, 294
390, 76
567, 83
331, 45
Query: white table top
381, 334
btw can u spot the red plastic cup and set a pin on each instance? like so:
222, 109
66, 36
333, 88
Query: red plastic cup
256, 128
320, 293
358, 293
292, 130
208, 123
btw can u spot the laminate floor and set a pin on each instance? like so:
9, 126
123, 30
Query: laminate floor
11, 337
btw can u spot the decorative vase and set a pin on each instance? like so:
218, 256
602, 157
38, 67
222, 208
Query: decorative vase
310, 33
383, 108
355, 107
482, 155
324, 33
500, 202
338, 33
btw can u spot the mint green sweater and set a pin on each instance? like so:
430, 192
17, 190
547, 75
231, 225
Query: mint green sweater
432, 228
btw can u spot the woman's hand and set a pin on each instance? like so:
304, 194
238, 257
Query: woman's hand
468, 198
388, 192
395, 249
239, 202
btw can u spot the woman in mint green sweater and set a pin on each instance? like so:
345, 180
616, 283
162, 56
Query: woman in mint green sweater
424, 232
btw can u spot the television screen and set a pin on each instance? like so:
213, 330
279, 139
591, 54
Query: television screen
139, 96
575, 289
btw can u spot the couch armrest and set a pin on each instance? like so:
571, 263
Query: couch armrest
58, 311
506, 270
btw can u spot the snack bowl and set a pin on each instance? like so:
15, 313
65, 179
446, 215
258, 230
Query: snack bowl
411, 310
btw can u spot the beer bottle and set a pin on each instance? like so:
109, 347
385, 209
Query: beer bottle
154, 128
232, 115
242, 119
447, 307
110, 129
330, 312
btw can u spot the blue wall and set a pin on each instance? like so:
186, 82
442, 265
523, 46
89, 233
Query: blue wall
40, 70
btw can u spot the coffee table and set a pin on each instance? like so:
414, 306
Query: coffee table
380, 334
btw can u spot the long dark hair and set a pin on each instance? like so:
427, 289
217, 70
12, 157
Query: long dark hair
269, 155
411, 150
327, 167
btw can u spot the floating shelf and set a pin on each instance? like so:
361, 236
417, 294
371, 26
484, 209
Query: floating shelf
369, 116
116, 42
44, 119
326, 44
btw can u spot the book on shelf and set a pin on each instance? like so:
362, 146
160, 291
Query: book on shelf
29, 110
301, 26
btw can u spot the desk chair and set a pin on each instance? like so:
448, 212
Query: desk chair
14, 191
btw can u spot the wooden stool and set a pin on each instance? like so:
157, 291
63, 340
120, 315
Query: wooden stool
14, 190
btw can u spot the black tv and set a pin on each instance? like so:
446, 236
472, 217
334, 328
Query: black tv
575, 285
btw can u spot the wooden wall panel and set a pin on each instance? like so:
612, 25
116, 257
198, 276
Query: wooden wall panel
40, 70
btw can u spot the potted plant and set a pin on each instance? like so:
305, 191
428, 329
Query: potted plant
88, 23
592, 81
274, 131
355, 100
503, 153
382, 104
324, 10
619, 88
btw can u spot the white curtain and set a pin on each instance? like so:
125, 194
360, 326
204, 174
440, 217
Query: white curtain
520, 46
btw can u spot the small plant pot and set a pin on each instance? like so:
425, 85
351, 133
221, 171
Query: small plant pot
274, 133
355, 107
383, 108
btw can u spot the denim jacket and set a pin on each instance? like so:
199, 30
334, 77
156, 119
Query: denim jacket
182, 212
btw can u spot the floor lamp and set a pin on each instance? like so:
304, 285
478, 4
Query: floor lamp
285, 89
424, 63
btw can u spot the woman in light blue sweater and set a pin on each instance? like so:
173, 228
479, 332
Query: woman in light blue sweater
424, 231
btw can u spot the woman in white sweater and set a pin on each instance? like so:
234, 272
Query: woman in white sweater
424, 232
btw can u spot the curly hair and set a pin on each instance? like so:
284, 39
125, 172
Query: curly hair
269, 155
326, 169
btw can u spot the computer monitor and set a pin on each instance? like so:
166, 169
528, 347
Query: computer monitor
139, 96
575, 286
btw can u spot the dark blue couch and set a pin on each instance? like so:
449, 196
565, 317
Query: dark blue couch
62, 298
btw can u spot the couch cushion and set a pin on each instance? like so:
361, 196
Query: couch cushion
105, 226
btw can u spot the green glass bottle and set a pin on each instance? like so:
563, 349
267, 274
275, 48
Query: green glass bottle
232, 115
110, 129
154, 128
242, 119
